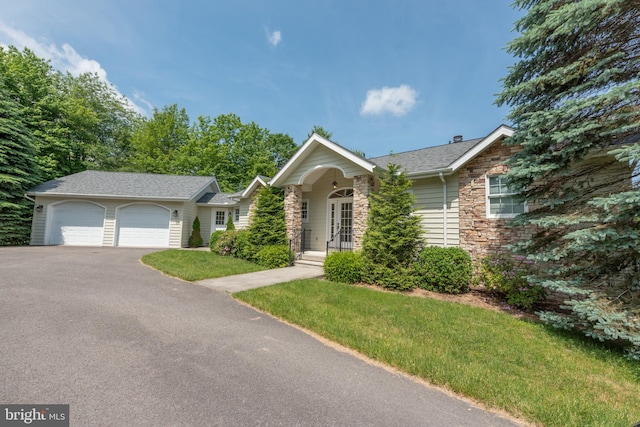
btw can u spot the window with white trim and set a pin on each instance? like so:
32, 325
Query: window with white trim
220, 220
304, 210
236, 215
502, 201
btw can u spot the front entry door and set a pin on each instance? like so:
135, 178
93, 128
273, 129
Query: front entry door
219, 219
340, 227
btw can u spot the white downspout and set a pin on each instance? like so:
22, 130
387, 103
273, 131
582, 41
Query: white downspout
444, 209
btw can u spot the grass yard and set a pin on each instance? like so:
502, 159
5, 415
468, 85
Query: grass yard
544, 376
197, 265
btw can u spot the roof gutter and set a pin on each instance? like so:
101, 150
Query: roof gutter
444, 209
26, 196
430, 174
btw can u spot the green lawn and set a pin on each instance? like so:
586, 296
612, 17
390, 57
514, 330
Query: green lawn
544, 376
197, 265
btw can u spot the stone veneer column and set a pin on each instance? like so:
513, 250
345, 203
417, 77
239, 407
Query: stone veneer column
362, 187
293, 209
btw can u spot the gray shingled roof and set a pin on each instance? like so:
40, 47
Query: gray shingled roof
125, 184
217, 199
427, 159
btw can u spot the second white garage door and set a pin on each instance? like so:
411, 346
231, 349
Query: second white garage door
143, 226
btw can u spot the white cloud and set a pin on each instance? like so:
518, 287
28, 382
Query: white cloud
395, 100
65, 59
274, 37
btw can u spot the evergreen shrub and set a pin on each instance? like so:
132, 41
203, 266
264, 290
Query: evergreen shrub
244, 249
195, 240
213, 240
230, 224
397, 279
274, 256
447, 270
506, 275
344, 267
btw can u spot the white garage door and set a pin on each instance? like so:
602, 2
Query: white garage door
143, 226
76, 223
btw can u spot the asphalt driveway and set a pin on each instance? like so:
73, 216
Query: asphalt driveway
125, 345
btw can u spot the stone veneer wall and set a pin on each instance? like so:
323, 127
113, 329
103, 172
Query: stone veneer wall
293, 209
362, 187
479, 235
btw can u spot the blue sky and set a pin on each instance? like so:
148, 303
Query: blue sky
383, 76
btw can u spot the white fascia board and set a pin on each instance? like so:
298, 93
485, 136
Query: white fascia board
500, 132
314, 140
204, 187
431, 173
257, 180
109, 196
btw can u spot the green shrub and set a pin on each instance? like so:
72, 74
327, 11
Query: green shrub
447, 270
230, 224
344, 267
274, 256
195, 240
226, 245
397, 279
506, 275
244, 249
213, 240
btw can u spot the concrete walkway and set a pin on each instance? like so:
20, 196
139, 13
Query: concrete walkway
241, 282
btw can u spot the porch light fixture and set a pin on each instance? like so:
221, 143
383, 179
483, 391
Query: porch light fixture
39, 208
334, 183
175, 213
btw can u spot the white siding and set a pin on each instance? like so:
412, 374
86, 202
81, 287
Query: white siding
40, 218
325, 157
429, 203
318, 199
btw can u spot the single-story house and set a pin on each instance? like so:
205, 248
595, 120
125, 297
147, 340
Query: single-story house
460, 195
95, 208
458, 188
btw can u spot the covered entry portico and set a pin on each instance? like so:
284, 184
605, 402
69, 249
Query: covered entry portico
326, 189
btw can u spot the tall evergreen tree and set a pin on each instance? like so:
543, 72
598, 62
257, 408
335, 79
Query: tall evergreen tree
393, 239
267, 225
575, 98
18, 172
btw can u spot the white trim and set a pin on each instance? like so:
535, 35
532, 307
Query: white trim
308, 146
488, 197
337, 201
50, 213
214, 225
444, 209
321, 167
118, 213
251, 187
500, 132
304, 220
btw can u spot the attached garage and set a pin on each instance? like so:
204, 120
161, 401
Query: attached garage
76, 223
143, 225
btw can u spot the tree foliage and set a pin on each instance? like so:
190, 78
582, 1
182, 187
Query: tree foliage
233, 151
393, 239
267, 225
574, 95
18, 172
